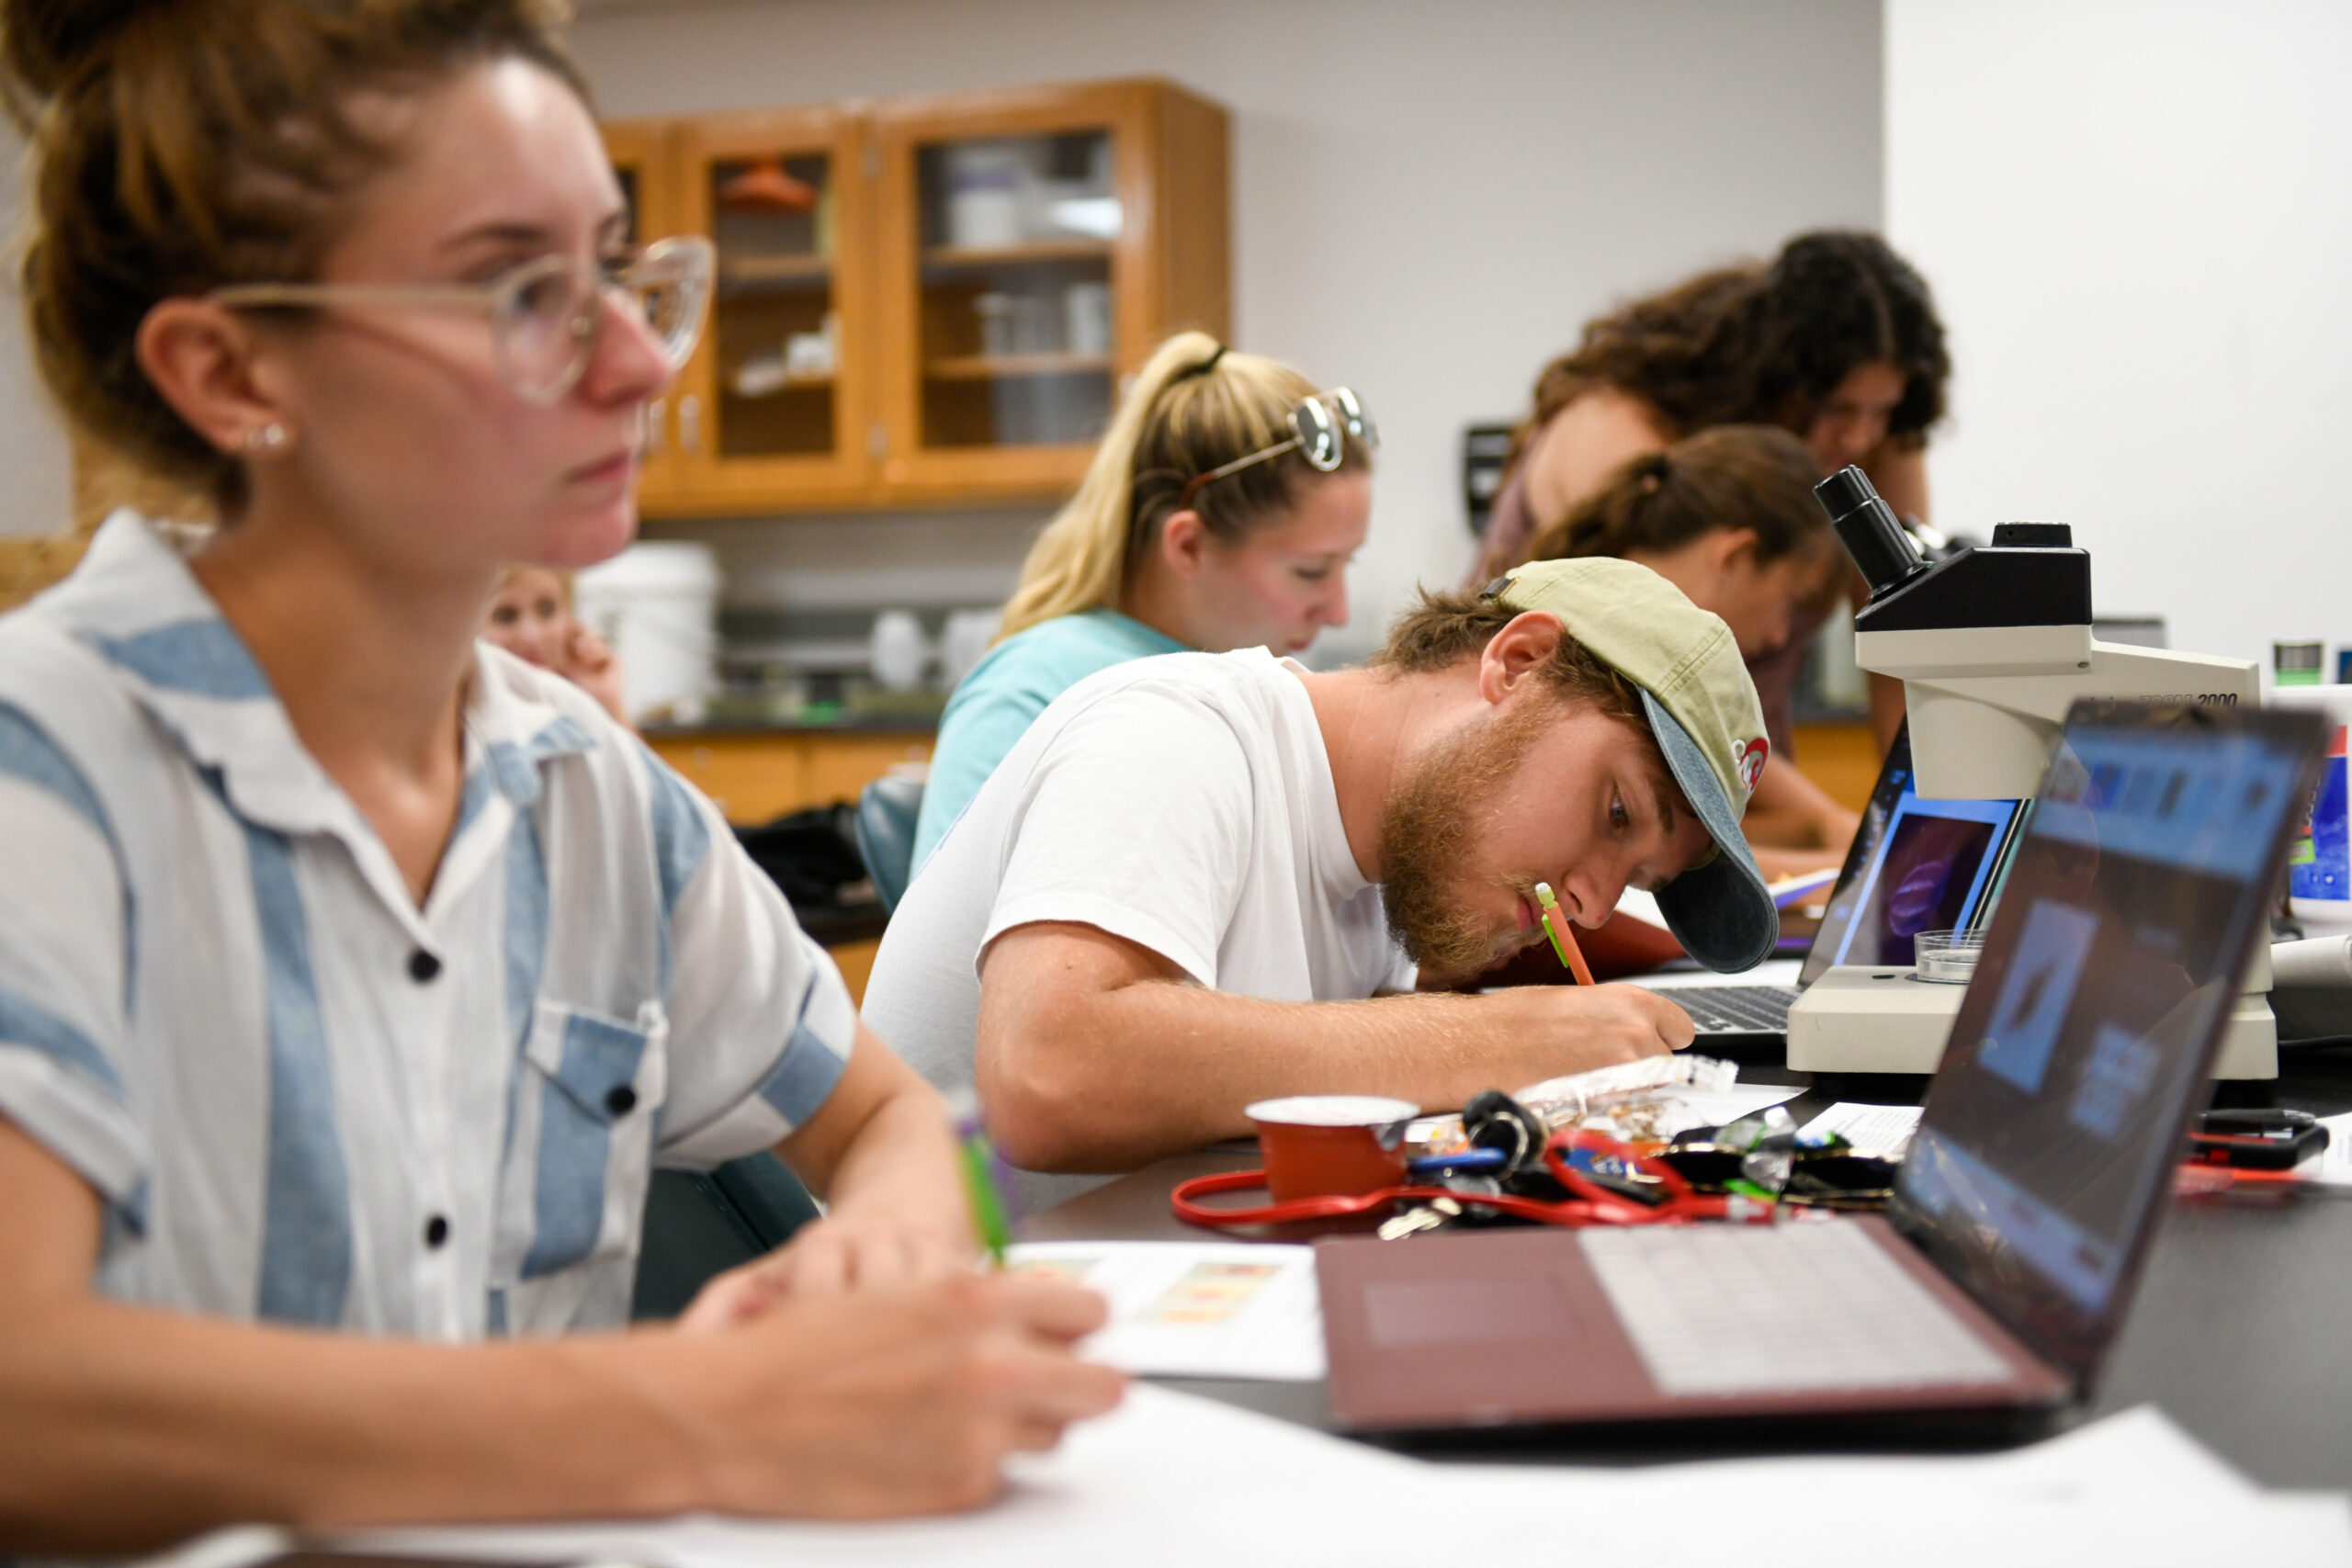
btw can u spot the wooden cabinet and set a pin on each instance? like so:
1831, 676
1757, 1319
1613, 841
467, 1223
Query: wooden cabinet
926, 300
756, 776
1843, 758
773, 401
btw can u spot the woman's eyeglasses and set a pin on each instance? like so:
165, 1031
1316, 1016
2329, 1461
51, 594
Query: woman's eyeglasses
546, 315
1319, 428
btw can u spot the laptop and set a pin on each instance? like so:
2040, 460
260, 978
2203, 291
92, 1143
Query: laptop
2000, 1273
1915, 865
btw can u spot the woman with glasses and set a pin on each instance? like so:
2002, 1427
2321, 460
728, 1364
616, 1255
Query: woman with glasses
1220, 512
354, 975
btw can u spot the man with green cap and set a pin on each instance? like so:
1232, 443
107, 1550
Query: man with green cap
1202, 880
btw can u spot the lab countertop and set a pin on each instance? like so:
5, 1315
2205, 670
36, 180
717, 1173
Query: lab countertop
863, 725
2234, 1330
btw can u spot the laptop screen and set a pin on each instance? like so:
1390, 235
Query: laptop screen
2107, 979
1916, 865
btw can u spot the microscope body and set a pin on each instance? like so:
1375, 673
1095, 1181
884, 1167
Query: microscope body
1992, 644
1986, 702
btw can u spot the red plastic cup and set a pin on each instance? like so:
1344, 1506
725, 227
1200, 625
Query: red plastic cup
1324, 1145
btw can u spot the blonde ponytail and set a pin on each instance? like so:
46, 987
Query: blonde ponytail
1194, 406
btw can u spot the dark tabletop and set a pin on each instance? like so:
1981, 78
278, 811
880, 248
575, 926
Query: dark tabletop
2241, 1329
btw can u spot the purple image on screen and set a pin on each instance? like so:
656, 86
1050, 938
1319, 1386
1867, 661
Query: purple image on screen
1932, 863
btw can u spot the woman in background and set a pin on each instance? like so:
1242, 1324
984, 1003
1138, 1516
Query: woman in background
1727, 516
530, 617
1220, 512
1835, 340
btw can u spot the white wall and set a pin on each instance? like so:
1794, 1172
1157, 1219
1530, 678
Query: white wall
36, 467
2137, 217
1429, 199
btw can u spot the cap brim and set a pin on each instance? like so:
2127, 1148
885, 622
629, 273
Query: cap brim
1721, 912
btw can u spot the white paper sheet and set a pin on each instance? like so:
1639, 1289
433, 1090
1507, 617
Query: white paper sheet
1685, 976
1712, 1109
1176, 1481
2332, 1166
1871, 1129
1196, 1309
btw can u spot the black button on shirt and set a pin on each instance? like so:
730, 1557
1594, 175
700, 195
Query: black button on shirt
437, 1231
422, 966
621, 1100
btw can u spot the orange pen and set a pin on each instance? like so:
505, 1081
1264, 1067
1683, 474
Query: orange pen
1563, 941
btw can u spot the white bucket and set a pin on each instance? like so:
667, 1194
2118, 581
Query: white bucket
658, 606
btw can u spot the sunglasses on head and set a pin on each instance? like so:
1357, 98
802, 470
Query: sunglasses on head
1319, 428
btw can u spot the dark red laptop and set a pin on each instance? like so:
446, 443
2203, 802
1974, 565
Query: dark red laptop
2001, 1271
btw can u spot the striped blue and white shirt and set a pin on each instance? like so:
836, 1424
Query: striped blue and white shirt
305, 1099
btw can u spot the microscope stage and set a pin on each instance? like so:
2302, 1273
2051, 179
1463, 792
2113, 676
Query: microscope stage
1878, 1019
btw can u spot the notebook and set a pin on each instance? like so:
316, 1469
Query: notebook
1915, 865
2001, 1272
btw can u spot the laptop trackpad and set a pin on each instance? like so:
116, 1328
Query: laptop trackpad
1471, 1328
1402, 1314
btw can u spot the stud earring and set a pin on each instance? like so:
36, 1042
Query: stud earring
266, 437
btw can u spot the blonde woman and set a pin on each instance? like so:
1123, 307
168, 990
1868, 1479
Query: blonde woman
1219, 512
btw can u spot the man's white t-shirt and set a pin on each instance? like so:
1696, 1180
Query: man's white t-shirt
1183, 802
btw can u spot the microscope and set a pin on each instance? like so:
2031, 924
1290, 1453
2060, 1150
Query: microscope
1991, 643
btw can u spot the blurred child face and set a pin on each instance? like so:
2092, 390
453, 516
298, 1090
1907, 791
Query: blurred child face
530, 617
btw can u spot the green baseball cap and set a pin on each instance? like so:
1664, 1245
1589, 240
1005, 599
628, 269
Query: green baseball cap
1702, 706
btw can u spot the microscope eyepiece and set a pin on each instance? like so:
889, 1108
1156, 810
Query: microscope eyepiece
1866, 527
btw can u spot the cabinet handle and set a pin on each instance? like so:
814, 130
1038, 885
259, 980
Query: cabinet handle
690, 422
877, 440
657, 425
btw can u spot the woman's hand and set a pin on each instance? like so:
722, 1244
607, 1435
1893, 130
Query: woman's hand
834, 1256
590, 663
899, 1401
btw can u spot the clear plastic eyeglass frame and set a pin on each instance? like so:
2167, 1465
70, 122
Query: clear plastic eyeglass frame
546, 314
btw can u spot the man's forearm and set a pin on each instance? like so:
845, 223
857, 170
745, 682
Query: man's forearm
1159, 1066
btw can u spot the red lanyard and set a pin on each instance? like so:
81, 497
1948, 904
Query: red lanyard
1593, 1204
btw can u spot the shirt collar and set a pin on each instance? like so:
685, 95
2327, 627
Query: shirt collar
135, 602
512, 728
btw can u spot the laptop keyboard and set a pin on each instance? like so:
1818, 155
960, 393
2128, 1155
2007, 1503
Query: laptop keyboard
1755, 1309
1735, 1009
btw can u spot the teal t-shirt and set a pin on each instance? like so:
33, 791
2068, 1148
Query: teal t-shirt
994, 704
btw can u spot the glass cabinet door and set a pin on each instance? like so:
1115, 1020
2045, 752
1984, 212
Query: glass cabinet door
1015, 343
771, 403
1011, 237
640, 154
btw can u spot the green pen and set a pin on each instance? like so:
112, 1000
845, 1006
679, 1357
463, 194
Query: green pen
1548, 903
978, 1160
1555, 926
